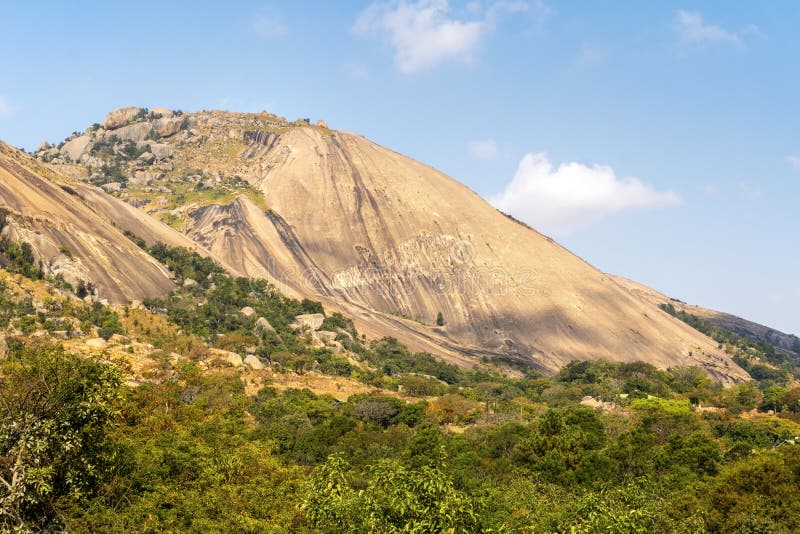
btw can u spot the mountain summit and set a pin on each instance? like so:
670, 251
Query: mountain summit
403, 248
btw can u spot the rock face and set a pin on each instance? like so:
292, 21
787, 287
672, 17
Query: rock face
75, 148
262, 325
312, 321
120, 117
58, 212
168, 126
380, 236
253, 362
136, 132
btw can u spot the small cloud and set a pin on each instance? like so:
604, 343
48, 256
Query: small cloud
749, 191
483, 149
708, 189
693, 29
5, 106
267, 22
356, 70
589, 55
573, 196
794, 161
427, 33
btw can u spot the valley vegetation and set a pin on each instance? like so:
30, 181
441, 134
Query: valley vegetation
157, 431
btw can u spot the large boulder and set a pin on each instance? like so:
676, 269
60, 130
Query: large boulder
168, 127
164, 112
120, 117
253, 361
313, 321
160, 150
228, 356
262, 325
77, 147
135, 132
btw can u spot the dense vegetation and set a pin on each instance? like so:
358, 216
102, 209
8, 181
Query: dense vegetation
432, 447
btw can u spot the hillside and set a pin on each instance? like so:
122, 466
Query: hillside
389, 241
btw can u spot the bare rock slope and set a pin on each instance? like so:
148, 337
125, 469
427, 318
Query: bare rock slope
64, 222
393, 242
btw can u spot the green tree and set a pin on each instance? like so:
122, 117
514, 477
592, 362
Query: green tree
54, 412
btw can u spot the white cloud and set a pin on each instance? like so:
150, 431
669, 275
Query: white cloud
267, 23
483, 149
427, 33
574, 195
356, 70
794, 161
692, 29
749, 191
708, 189
5, 106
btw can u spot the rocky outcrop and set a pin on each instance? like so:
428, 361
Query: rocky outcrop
167, 127
136, 132
77, 147
253, 362
312, 321
120, 117
163, 112
262, 326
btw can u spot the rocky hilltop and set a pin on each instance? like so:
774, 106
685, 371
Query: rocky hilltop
406, 250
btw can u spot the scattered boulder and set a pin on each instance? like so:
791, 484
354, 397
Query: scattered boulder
120, 117
169, 126
161, 150
77, 147
111, 187
253, 361
247, 311
322, 124
326, 336
190, 282
228, 356
262, 325
311, 320
164, 112
147, 157
44, 146
135, 132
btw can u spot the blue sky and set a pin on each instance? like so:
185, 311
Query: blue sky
655, 139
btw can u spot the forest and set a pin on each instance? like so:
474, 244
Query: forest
429, 447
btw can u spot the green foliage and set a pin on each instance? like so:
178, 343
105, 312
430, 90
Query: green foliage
54, 412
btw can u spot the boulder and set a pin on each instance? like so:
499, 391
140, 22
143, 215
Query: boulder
147, 157
247, 311
135, 132
190, 282
3, 347
164, 112
168, 127
160, 150
77, 147
262, 325
253, 361
311, 320
322, 124
120, 117
228, 356
111, 187
326, 336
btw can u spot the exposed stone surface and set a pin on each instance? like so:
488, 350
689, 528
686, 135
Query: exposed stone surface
253, 362
164, 112
3, 347
262, 325
96, 343
168, 126
75, 148
247, 311
312, 321
120, 117
136, 132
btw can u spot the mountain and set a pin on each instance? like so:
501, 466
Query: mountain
386, 239
67, 224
